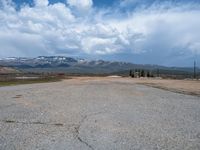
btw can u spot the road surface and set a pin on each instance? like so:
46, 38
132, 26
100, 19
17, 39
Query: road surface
97, 114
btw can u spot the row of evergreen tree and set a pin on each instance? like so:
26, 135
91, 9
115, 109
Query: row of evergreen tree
140, 73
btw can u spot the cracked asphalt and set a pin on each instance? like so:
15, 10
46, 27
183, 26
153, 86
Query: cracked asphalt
97, 114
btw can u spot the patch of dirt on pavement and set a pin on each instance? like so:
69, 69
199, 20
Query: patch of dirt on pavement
20, 99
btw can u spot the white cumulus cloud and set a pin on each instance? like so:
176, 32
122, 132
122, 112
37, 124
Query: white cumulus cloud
41, 3
169, 35
81, 5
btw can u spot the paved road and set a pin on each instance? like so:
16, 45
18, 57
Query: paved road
101, 114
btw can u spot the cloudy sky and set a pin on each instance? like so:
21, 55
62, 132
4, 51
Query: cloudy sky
164, 32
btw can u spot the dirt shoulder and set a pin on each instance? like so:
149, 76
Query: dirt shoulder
191, 87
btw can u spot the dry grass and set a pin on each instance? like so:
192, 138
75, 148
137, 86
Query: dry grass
11, 82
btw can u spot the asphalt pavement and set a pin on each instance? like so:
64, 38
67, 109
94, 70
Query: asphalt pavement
110, 114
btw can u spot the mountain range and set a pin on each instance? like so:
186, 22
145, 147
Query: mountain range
76, 65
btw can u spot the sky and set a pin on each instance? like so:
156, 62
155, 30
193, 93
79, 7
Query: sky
163, 32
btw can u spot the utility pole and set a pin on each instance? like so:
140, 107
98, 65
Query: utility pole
194, 69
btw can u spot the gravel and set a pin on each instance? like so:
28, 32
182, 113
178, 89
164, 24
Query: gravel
102, 114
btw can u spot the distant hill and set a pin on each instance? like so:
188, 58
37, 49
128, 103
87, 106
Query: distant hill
7, 70
82, 66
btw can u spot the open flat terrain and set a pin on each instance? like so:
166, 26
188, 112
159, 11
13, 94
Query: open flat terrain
100, 114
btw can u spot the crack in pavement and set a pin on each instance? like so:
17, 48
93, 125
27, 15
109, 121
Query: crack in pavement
84, 142
36, 123
77, 133
78, 127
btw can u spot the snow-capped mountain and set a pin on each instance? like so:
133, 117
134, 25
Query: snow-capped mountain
33, 62
73, 65
54, 61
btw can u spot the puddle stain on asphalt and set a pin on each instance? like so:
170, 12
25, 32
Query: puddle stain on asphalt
17, 96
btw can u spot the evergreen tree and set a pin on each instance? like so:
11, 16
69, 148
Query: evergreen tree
133, 75
148, 74
158, 72
130, 73
139, 73
142, 73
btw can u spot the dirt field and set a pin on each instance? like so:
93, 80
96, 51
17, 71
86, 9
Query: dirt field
191, 87
98, 114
